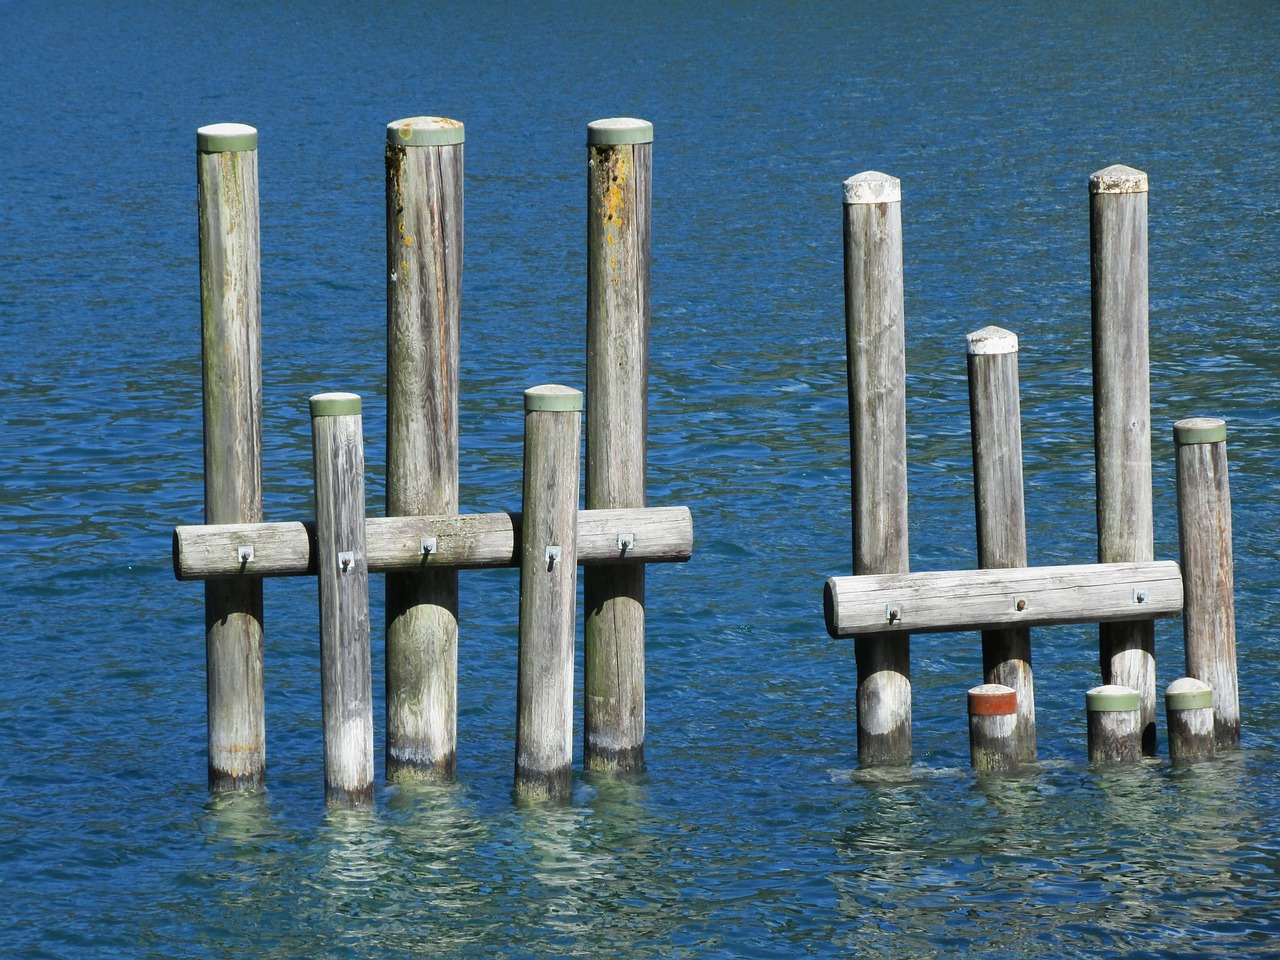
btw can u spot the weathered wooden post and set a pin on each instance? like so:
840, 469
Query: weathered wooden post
231, 322
994, 745
548, 592
1114, 724
342, 566
1204, 531
424, 286
1188, 705
996, 428
1122, 415
619, 174
874, 328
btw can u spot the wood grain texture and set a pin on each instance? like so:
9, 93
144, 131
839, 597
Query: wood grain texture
995, 417
1122, 414
548, 594
231, 325
1208, 567
424, 193
619, 207
875, 340
345, 671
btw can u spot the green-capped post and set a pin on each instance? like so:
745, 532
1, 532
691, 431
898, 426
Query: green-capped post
343, 568
231, 332
1188, 705
1208, 568
424, 194
1114, 725
619, 215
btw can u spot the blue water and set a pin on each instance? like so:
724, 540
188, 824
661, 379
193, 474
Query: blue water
752, 834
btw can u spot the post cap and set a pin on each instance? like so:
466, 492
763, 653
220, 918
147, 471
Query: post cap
1188, 693
335, 405
226, 138
991, 341
618, 130
1118, 178
992, 700
1199, 430
873, 187
553, 398
1112, 699
425, 132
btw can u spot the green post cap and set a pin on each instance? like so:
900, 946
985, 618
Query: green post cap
873, 187
1188, 693
1199, 430
1112, 699
425, 132
618, 130
226, 138
554, 398
335, 405
1118, 178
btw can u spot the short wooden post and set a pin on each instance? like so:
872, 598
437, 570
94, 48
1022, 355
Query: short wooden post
424, 190
1114, 724
1204, 530
1122, 415
548, 592
1188, 705
231, 321
342, 566
994, 745
875, 335
996, 428
619, 174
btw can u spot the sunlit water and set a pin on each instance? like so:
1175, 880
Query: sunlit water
753, 834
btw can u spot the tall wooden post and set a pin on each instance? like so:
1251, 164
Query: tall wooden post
996, 427
231, 321
1122, 415
343, 569
619, 173
424, 287
1204, 532
874, 326
548, 593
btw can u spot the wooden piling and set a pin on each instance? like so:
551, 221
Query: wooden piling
345, 672
1122, 414
548, 592
1114, 725
874, 327
619, 175
1188, 705
231, 322
994, 745
996, 430
424, 192
1204, 532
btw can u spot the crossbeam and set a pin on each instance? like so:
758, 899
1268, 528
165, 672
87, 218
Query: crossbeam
472, 540
938, 602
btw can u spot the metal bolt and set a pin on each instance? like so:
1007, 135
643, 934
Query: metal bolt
553, 557
1140, 595
429, 546
892, 614
626, 541
346, 561
245, 555
1020, 605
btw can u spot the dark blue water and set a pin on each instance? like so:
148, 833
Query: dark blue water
752, 834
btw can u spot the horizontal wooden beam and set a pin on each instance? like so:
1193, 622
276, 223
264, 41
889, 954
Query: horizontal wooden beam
469, 540
937, 602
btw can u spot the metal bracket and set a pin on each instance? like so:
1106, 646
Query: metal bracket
429, 546
245, 555
553, 557
626, 541
893, 613
1140, 595
346, 561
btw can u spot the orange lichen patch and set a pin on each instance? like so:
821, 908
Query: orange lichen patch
408, 241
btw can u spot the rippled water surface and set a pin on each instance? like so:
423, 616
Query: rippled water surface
753, 834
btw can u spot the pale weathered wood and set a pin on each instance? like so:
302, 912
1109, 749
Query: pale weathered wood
993, 728
1204, 533
548, 593
424, 192
619, 176
875, 336
345, 672
466, 541
1188, 705
231, 322
1122, 414
1114, 725
995, 418
946, 601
